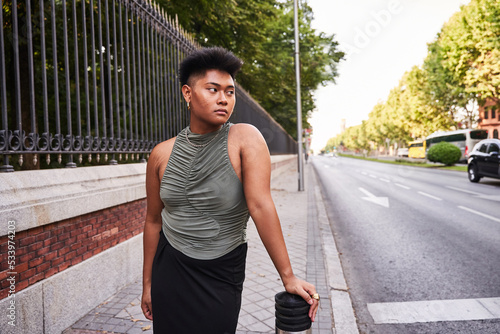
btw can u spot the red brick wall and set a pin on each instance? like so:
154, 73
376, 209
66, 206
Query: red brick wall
44, 251
490, 123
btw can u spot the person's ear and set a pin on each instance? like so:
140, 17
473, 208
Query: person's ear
186, 92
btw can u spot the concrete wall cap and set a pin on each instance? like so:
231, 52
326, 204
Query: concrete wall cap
40, 197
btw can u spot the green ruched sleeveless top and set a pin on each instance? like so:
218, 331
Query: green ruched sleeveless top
205, 213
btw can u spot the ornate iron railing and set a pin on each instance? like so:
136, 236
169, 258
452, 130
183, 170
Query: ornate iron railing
89, 78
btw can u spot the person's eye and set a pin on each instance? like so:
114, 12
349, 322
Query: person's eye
230, 92
213, 89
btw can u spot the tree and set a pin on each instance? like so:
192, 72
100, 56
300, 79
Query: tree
261, 32
461, 71
464, 62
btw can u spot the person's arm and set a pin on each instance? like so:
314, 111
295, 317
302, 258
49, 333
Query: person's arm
152, 225
256, 176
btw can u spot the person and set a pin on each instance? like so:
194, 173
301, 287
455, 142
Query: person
202, 186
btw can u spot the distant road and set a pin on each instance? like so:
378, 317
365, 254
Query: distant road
420, 247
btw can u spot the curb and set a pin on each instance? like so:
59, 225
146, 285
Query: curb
343, 311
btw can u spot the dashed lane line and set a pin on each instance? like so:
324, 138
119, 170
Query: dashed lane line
430, 196
435, 310
479, 213
463, 190
402, 186
384, 180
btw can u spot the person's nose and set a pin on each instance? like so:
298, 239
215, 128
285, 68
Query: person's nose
222, 98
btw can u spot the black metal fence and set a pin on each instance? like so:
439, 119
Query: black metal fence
96, 77
249, 111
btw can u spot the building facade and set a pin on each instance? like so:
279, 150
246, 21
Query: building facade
489, 118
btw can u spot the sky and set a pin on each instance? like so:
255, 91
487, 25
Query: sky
382, 39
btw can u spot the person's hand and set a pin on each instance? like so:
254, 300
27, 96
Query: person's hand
305, 290
146, 306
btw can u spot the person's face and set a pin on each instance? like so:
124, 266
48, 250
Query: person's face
211, 98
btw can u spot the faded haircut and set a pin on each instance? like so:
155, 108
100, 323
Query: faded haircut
214, 58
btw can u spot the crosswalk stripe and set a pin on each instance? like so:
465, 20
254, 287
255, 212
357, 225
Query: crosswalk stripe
435, 310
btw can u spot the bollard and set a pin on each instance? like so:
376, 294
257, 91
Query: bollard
291, 314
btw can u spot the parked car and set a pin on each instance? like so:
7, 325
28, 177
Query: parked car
402, 152
484, 160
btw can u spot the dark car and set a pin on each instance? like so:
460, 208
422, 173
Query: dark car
484, 160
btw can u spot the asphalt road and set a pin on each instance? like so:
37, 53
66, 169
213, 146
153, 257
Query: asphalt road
420, 248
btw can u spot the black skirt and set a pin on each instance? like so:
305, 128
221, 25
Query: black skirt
194, 296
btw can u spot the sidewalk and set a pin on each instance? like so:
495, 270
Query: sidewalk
305, 228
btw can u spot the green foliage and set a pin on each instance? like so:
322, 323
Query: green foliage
464, 62
261, 32
460, 72
444, 153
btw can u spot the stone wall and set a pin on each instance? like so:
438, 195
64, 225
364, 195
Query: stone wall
77, 241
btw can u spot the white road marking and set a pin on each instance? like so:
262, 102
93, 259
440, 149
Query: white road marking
402, 186
384, 201
364, 173
463, 190
479, 213
385, 180
435, 310
430, 196
489, 197
479, 195
374, 176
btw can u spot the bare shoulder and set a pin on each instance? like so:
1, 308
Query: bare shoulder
252, 148
160, 154
246, 134
162, 149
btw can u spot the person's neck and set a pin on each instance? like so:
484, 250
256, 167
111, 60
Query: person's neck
201, 130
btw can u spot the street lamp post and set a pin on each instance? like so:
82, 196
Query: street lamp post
299, 102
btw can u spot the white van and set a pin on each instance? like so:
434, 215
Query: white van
464, 139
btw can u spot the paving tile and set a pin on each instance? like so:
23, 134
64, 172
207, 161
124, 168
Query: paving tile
247, 320
122, 328
116, 321
123, 314
261, 327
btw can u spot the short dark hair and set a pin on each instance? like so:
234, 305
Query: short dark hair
213, 58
